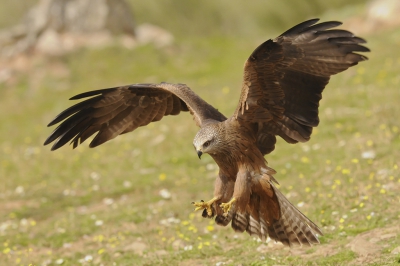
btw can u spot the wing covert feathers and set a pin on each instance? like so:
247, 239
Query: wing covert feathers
115, 111
284, 78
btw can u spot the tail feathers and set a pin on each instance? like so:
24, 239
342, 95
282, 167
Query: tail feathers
254, 228
294, 225
275, 217
240, 221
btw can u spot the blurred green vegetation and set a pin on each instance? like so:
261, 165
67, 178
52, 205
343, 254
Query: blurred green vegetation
210, 17
110, 204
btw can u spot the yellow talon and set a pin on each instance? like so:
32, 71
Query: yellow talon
205, 205
227, 206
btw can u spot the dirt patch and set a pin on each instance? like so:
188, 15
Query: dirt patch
369, 245
324, 250
17, 204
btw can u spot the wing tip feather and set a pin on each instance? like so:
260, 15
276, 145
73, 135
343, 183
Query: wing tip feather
300, 27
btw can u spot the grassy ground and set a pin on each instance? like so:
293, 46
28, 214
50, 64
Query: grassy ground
127, 202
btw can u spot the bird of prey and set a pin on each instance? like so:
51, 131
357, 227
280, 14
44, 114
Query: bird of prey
282, 85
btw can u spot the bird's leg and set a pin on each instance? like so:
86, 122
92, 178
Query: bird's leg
227, 206
205, 205
241, 193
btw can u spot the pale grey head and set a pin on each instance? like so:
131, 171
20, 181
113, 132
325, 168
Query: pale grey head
207, 139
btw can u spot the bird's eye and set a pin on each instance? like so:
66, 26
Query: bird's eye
206, 144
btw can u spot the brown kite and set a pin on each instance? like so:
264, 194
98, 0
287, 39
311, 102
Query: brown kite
282, 85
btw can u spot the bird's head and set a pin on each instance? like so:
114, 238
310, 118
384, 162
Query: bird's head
206, 140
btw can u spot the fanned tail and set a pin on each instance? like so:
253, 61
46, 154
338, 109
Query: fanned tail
275, 217
293, 227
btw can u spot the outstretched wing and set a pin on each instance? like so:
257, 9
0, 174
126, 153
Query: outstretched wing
284, 78
115, 111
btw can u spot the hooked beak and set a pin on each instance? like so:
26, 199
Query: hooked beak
199, 153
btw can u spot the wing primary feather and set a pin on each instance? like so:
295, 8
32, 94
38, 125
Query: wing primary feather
91, 93
75, 140
320, 35
113, 128
300, 27
346, 40
284, 78
71, 133
87, 133
73, 109
322, 26
64, 127
107, 110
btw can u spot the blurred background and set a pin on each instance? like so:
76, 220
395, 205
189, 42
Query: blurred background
128, 201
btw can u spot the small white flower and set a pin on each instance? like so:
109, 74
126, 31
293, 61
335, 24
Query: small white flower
19, 190
173, 220
165, 194
94, 175
108, 201
98, 223
23, 222
316, 146
305, 147
368, 155
189, 247
127, 184
342, 143
88, 258
210, 166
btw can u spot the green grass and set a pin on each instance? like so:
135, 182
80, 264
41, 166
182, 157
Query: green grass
208, 17
62, 207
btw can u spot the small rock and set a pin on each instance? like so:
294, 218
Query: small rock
136, 247
177, 244
387, 236
396, 251
263, 248
148, 33
50, 43
161, 252
363, 247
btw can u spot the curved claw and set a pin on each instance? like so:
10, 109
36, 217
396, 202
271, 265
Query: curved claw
205, 205
226, 207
